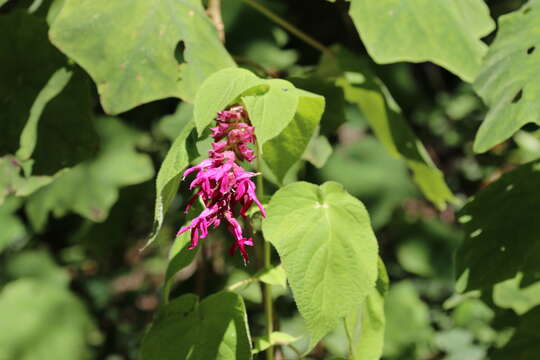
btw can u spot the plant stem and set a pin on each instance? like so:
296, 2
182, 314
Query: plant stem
288, 26
214, 12
266, 288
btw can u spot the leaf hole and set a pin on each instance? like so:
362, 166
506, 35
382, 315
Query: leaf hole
531, 50
517, 97
179, 52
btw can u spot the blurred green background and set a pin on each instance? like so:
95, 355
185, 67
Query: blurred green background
76, 284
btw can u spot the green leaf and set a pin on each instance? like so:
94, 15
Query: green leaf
334, 115
525, 343
446, 33
284, 117
128, 48
501, 229
283, 151
38, 265
180, 256
366, 91
328, 250
381, 193
43, 96
272, 111
459, 344
509, 295
13, 182
273, 276
172, 125
214, 329
276, 338
507, 81
168, 178
45, 322
54, 86
220, 90
91, 188
408, 329
13, 230
365, 325
318, 151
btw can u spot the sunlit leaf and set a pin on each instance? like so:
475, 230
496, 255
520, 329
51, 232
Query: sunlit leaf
220, 90
507, 81
128, 48
509, 295
328, 250
283, 151
276, 338
444, 32
365, 325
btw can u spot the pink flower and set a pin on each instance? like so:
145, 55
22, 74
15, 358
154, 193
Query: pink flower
222, 183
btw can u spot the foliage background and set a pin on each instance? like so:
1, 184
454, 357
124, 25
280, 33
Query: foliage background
75, 282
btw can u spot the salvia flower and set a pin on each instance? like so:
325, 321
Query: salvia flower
222, 184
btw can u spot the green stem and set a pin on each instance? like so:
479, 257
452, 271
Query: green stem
266, 288
288, 26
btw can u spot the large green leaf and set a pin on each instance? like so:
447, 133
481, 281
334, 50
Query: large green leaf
41, 98
214, 329
501, 231
365, 326
45, 321
168, 178
507, 82
91, 188
444, 32
329, 252
365, 90
128, 47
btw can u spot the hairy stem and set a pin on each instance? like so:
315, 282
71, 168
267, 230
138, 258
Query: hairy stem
288, 26
266, 288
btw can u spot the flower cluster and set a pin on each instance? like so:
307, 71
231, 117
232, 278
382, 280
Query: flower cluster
222, 184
